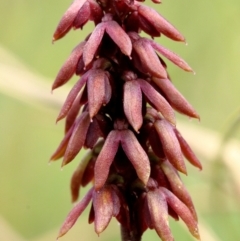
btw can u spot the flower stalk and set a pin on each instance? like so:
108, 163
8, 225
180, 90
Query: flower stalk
122, 109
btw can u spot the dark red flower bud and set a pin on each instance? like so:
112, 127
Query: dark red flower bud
67, 20
158, 101
106, 158
69, 67
175, 98
159, 23
77, 139
78, 175
98, 89
103, 208
116, 33
149, 58
132, 104
182, 210
177, 186
136, 155
170, 144
187, 151
75, 213
158, 210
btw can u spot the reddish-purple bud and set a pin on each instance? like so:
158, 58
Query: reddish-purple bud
93, 43
171, 56
72, 96
132, 104
119, 36
149, 59
177, 186
75, 213
182, 210
103, 208
158, 210
66, 22
105, 158
77, 139
62, 146
159, 23
136, 155
158, 101
175, 98
82, 16
187, 151
69, 67
96, 91
77, 176
170, 144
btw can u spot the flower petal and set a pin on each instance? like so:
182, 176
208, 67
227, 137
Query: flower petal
88, 175
96, 91
94, 132
75, 213
155, 143
107, 90
177, 186
132, 104
149, 58
96, 11
103, 208
83, 16
77, 139
72, 96
93, 43
63, 145
182, 210
105, 159
116, 201
171, 56
73, 112
69, 67
158, 101
76, 179
119, 36
136, 155
170, 144
158, 209
187, 151
67, 19
160, 23
175, 98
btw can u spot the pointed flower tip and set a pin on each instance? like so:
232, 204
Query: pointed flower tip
60, 117
183, 170
64, 163
199, 167
52, 158
60, 234
172, 120
54, 39
50, 162
195, 115
53, 88
196, 234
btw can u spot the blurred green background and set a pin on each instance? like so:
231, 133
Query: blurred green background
35, 197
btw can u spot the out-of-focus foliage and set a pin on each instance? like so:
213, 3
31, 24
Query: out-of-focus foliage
34, 197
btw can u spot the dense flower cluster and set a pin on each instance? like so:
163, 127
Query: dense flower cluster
122, 109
